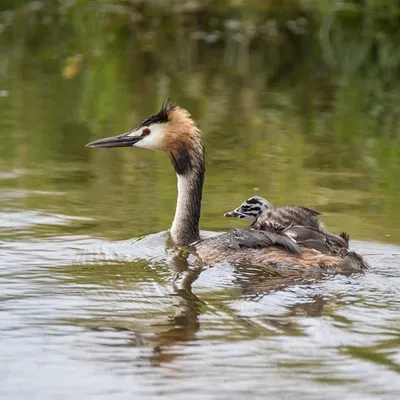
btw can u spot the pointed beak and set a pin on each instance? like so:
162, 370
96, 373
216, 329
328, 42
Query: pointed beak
124, 140
231, 214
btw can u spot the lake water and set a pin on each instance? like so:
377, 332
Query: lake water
93, 304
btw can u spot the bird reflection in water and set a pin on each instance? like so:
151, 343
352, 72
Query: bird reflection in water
251, 284
184, 323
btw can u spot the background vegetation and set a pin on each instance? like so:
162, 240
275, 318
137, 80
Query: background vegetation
298, 101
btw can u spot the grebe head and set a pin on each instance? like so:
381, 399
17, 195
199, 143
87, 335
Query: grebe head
171, 130
250, 209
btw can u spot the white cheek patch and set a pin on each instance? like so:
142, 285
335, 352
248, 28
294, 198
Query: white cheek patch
154, 140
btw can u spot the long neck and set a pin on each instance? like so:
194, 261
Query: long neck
185, 227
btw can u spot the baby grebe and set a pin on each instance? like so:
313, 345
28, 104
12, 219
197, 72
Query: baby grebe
264, 215
300, 223
174, 132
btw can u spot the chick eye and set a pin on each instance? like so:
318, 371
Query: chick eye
146, 131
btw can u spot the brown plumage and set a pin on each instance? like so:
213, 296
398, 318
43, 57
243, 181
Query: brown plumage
181, 133
225, 248
173, 131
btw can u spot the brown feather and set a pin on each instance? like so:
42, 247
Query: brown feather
181, 132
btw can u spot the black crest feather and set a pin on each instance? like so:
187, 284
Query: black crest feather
162, 116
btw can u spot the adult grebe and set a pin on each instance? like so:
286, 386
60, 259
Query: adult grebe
173, 131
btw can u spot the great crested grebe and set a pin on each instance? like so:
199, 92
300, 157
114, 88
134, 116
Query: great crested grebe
250, 209
174, 132
264, 215
300, 223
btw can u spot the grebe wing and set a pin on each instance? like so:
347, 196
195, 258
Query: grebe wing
239, 238
340, 240
313, 238
301, 233
291, 239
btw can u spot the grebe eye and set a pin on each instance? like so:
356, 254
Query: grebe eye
146, 131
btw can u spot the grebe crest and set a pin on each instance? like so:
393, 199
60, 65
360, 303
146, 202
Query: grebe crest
173, 131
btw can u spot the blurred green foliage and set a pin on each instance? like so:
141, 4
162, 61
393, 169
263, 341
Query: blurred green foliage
298, 99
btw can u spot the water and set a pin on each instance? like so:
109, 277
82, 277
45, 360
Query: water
93, 318
94, 304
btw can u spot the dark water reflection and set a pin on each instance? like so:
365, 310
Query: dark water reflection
87, 310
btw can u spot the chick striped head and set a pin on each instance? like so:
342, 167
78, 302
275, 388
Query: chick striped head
250, 209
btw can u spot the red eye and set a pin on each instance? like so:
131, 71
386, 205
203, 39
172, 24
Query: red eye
146, 131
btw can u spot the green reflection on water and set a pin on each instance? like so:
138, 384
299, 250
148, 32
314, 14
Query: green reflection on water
278, 120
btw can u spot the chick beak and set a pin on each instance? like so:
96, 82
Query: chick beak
124, 140
231, 214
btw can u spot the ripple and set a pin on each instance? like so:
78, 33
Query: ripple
137, 321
